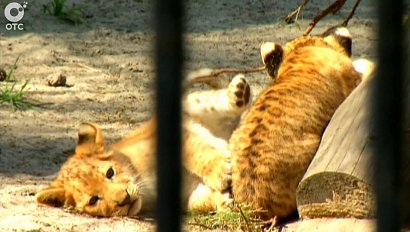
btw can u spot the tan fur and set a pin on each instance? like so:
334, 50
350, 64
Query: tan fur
84, 182
277, 139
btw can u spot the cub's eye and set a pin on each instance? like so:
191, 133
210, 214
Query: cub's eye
110, 173
93, 200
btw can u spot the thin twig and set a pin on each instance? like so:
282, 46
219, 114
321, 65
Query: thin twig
295, 13
199, 224
248, 228
88, 67
335, 7
93, 69
218, 72
274, 222
344, 24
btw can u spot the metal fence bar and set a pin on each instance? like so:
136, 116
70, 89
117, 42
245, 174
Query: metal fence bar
168, 61
387, 108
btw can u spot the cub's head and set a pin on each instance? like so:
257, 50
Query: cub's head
94, 181
273, 54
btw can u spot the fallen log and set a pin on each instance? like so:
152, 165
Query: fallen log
338, 181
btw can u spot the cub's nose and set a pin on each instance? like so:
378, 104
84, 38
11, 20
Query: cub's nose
126, 200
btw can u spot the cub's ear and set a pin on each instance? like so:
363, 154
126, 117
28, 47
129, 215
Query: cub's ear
90, 139
53, 196
339, 37
272, 57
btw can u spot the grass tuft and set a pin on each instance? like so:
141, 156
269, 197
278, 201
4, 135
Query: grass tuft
11, 94
59, 9
238, 218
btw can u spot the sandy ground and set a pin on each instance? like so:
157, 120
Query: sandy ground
108, 60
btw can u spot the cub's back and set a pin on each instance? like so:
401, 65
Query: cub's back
277, 139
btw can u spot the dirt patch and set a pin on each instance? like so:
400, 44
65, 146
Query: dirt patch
107, 61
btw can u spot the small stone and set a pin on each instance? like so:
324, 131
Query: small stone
56, 81
3, 74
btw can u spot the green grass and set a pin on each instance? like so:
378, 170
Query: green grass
235, 219
13, 95
59, 9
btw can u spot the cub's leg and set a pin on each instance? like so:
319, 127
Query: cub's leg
212, 117
211, 164
213, 105
195, 77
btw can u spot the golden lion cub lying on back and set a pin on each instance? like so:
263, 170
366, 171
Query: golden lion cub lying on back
121, 180
267, 154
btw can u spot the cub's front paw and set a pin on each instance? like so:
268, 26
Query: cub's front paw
239, 92
220, 177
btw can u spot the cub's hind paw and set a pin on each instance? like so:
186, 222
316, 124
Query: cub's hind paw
365, 67
204, 199
239, 92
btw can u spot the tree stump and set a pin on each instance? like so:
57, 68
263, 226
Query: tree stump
338, 181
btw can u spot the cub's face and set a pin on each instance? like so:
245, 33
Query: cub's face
96, 182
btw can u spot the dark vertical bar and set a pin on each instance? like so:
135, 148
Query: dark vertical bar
168, 60
406, 138
387, 109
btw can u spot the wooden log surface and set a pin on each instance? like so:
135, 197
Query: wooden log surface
338, 181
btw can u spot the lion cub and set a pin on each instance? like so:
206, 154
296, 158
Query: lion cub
277, 139
121, 180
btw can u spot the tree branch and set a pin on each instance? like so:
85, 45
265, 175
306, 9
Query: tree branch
335, 7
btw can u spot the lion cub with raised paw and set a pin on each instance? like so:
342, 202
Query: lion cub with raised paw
277, 139
121, 181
